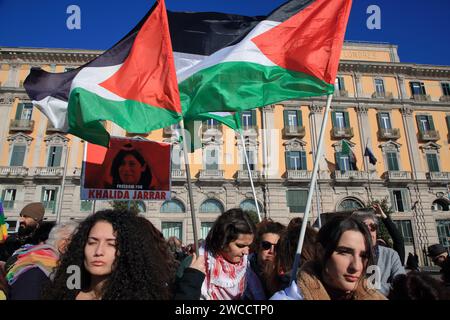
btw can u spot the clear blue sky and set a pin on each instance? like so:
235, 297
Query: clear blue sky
419, 28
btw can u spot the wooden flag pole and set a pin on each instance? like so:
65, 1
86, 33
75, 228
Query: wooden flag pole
188, 177
311, 189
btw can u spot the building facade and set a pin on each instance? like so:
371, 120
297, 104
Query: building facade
399, 111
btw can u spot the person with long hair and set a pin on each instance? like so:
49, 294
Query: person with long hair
226, 272
120, 256
338, 271
418, 286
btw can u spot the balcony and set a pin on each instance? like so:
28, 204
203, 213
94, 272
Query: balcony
48, 172
211, 175
339, 133
439, 176
341, 93
21, 125
244, 176
353, 176
382, 95
294, 131
178, 174
429, 135
51, 128
13, 172
398, 176
388, 134
421, 97
444, 99
298, 175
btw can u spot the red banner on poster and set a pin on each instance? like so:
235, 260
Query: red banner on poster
131, 169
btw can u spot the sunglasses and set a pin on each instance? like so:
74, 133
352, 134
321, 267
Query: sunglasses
266, 245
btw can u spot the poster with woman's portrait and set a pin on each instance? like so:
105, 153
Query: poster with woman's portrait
131, 169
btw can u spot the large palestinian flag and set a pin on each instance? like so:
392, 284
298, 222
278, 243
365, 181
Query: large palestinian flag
133, 84
233, 63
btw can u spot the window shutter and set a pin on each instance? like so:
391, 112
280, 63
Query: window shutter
422, 89
303, 160
18, 156
58, 153
405, 199
379, 120
337, 159
448, 123
287, 156
419, 124
286, 118
299, 118
430, 121
333, 118
3, 195
19, 111
393, 202
411, 87
253, 115
347, 120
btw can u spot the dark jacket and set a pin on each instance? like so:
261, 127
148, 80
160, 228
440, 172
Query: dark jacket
28, 286
188, 282
397, 238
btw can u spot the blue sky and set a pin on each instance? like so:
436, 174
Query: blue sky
419, 28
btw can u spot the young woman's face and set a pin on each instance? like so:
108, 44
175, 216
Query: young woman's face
235, 250
347, 264
267, 247
100, 249
130, 170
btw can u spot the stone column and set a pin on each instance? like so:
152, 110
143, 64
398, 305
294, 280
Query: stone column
364, 134
6, 102
359, 88
315, 124
401, 86
268, 126
13, 76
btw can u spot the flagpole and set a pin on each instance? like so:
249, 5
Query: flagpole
188, 177
250, 174
63, 183
312, 184
368, 172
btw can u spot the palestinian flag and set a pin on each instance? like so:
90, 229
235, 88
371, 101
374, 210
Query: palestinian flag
132, 84
3, 227
233, 63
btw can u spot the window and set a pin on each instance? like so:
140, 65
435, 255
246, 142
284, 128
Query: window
54, 156
384, 120
400, 200
24, 111
49, 199
292, 119
296, 200
8, 198
248, 119
345, 162
433, 164
86, 205
212, 159
405, 228
172, 229
350, 205
339, 84
18, 155
176, 158
392, 161
295, 160
379, 87
251, 160
172, 206
210, 123
417, 88
445, 88
249, 206
443, 228
425, 123
448, 124
211, 206
340, 119
204, 229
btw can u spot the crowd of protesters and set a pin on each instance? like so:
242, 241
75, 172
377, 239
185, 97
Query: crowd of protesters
120, 255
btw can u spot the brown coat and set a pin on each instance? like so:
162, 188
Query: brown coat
313, 289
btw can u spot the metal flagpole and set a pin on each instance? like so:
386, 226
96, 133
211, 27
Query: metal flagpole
191, 199
63, 183
311, 189
250, 175
368, 171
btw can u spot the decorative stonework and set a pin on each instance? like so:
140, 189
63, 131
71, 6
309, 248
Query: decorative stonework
406, 111
314, 108
56, 139
19, 138
6, 99
295, 145
362, 109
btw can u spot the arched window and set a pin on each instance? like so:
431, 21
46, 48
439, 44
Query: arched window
211, 206
440, 205
249, 205
141, 206
172, 206
350, 204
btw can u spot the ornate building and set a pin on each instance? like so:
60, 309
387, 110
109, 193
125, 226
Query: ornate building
400, 111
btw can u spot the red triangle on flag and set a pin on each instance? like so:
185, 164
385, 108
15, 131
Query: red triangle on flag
148, 73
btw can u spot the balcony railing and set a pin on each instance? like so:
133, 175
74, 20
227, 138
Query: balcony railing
13, 171
243, 175
351, 176
439, 176
50, 172
338, 133
421, 97
207, 174
178, 174
392, 133
382, 95
429, 135
298, 175
341, 93
444, 99
21, 125
294, 131
398, 176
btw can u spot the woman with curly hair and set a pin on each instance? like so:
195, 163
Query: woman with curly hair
121, 257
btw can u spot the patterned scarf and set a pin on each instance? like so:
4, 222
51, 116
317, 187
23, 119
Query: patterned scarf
224, 280
28, 257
